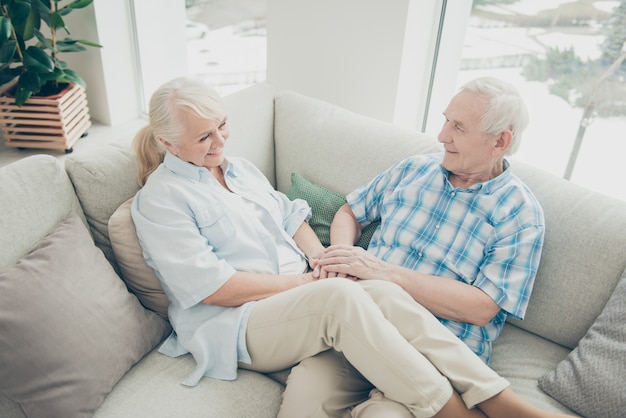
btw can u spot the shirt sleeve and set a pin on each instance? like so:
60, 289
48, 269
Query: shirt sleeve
508, 271
366, 201
188, 270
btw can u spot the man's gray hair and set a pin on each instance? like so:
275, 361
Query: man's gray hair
505, 110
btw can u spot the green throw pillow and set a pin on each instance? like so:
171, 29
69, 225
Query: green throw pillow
324, 204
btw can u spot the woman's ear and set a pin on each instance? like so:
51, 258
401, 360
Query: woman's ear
168, 145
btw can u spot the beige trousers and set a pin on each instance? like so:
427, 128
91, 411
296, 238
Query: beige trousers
393, 342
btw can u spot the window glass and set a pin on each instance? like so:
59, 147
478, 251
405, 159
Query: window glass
226, 42
567, 59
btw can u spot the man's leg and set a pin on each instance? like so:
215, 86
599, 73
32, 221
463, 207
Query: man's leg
378, 405
325, 385
467, 373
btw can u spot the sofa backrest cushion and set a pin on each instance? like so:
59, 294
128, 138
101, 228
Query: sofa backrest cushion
36, 196
251, 119
103, 179
335, 148
583, 257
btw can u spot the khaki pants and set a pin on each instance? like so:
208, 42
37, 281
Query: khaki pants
395, 343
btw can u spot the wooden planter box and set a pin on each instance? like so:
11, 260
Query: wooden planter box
54, 122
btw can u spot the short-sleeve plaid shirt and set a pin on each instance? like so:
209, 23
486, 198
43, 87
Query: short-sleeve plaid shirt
489, 236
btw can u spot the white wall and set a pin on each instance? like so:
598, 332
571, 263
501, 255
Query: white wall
372, 57
111, 73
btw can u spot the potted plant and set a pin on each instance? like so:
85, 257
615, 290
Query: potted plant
36, 81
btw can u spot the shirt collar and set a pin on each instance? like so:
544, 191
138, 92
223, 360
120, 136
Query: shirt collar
489, 185
190, 171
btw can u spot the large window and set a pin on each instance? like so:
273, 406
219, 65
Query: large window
565, 56
567, 59
226, 42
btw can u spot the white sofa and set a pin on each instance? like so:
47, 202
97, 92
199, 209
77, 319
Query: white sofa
74, 343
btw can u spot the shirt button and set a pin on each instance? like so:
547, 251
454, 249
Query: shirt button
419, 254
452, 194
437, 226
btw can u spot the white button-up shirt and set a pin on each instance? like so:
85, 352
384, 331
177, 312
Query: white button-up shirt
196, 235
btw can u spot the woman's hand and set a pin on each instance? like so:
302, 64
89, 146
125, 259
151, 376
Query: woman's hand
351, 262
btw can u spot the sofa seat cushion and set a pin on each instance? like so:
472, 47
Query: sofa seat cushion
522, 357
138, 276
591, 379
152, 389
70, 329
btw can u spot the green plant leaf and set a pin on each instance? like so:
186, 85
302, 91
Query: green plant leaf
89, 43
5, 29
30, 80
71, 46
43, 10
7, 74
43, 41
57, 75
62, 65
57, 22
25, 30
7, 51
79, 4
19, 12
71, 77
21, 95
37, 60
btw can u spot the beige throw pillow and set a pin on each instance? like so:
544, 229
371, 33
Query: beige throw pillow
138, 276
70, 328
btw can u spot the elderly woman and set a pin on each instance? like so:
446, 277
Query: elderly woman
235, 256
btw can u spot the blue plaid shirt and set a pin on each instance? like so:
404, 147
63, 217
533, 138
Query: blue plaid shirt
489, 236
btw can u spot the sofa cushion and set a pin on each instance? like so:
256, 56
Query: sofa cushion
251, 119
152, 389
324, 204
70, 329
36, 195
103, 179
332, 146
582, 260
591, 379
521, 358
138, 276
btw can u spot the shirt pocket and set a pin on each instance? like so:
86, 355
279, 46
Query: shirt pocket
215, 225
467, 252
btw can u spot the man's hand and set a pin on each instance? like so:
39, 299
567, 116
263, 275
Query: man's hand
350, 262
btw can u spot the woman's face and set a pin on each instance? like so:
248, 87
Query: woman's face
202, 144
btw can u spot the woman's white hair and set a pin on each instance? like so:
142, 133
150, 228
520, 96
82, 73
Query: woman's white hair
187, 94
505, 109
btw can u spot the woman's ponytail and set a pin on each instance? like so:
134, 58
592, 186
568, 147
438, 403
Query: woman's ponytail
149, 153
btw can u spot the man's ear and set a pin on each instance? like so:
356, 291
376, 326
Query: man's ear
504, 141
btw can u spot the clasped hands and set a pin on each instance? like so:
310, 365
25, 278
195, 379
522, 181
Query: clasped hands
347, 261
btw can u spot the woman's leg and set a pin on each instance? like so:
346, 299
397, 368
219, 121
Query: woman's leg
339, 314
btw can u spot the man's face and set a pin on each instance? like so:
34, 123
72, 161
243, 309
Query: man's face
470, 154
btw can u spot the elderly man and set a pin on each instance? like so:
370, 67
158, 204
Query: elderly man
458, 231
